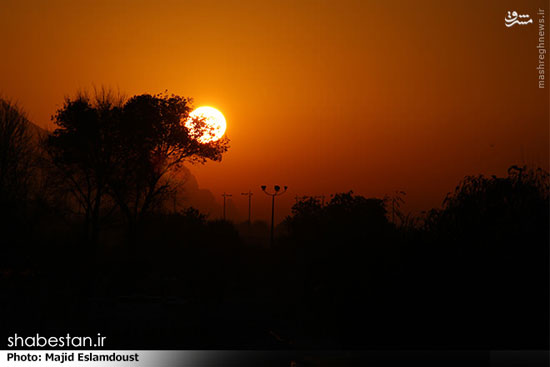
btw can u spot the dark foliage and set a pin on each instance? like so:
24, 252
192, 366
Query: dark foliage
152, 142
18, 182
472, 275
114, 154
81, 150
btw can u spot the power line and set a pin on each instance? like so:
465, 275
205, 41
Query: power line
277, 192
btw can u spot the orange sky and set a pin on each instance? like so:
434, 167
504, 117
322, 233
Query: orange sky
322, 96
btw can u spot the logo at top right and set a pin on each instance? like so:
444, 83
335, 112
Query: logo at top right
514, 18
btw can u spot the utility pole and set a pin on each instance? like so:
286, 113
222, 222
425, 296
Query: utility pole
225, 196
277, 192
249, 194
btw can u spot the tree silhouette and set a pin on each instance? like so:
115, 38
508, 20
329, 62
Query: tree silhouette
125, 150
480, 205
16, 151
498, 229
81, 149
396, 200
152, 142
345, 216
17, 165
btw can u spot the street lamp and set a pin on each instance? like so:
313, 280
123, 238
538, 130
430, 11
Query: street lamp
277, 192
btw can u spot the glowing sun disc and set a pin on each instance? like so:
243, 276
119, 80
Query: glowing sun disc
214, 120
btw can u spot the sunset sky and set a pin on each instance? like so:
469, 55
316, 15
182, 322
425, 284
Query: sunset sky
322, 96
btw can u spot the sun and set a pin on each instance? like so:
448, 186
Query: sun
214, 120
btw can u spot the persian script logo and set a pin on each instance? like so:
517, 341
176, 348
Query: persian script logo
514, 18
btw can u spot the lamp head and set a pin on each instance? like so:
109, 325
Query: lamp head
263, 187
277, 188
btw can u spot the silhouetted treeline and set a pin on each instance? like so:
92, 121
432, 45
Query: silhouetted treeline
472, 274
342, 274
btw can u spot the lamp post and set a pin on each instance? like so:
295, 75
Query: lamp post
249, 194
277, 192
225, 196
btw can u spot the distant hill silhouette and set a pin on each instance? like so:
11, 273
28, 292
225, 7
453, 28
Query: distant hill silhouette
190, 194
